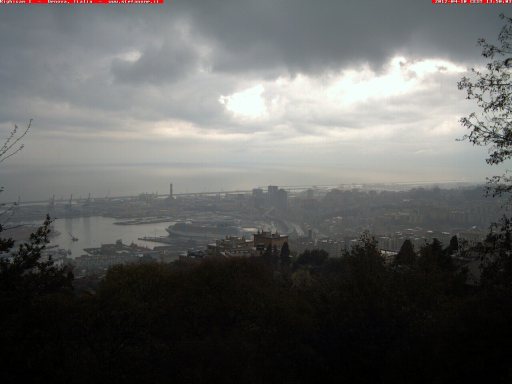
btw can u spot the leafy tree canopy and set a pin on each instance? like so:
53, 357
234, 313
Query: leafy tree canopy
313, 258
491, 89
406, 255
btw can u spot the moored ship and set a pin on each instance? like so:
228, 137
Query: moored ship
203, 230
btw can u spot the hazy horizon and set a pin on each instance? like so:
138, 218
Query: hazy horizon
131, 180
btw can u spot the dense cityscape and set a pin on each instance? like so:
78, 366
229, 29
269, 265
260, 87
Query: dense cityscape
307, 218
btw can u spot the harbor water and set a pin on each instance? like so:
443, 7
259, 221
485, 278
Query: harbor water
91, 232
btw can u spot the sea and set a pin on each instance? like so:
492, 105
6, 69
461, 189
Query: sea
93, 231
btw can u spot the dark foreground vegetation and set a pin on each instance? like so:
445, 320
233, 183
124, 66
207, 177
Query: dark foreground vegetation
316, 319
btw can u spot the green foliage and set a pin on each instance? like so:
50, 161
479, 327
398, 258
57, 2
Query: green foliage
24, 275
33, 293
434, 258
366, 253
496, 256
219, 320
348, 319
5, 244
491, 125
311, 258
361, 272
284, 256
406, 255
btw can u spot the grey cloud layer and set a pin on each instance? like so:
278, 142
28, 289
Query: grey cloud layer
245, 36
69, 67
69, 54
303, 35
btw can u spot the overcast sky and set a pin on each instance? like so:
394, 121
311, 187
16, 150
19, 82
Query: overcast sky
221, 94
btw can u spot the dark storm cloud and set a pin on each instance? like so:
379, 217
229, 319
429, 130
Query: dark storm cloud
311, 36
39, 45
156, 65
74, 55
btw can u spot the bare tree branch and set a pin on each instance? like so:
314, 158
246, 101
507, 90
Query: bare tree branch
9, 148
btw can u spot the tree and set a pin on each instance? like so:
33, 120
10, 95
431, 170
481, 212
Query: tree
496, 255
453, 247
492, 90
312, 258
433, 258
10, 147
285, 254
12, 144
22, 272
365, 259
406, 255
24, 275
492, 126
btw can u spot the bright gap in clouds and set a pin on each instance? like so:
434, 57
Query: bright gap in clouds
335, 92
401, 77
248, 103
